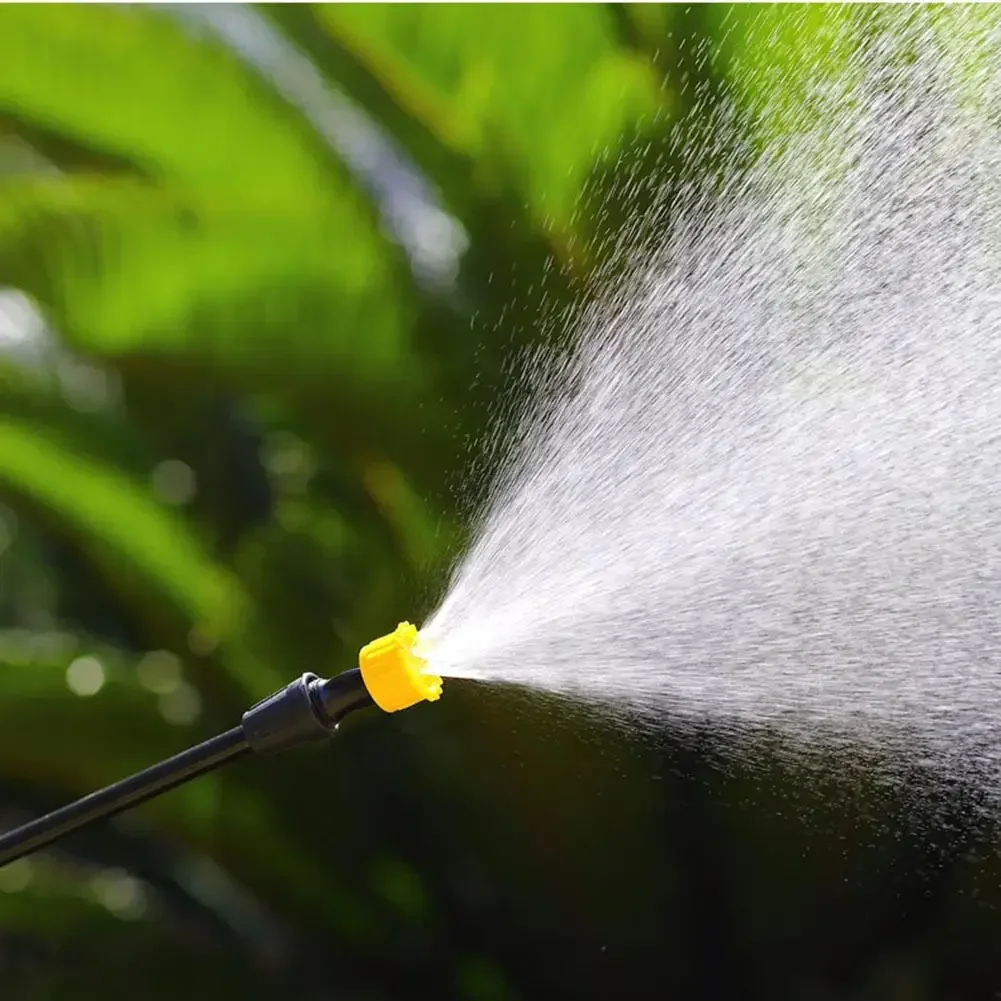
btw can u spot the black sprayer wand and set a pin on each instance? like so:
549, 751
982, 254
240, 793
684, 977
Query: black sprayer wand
390, 675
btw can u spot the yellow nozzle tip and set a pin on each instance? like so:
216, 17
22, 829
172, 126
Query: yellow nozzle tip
395, 676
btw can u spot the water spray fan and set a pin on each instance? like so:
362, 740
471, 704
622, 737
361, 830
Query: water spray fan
391, 675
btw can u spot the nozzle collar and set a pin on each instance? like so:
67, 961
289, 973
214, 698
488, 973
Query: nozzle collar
395, 676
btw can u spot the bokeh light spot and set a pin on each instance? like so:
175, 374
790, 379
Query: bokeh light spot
173, 482
85, 676
16, 876
159, 672
182, 706
120, 893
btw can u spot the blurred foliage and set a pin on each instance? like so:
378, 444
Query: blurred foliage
264, 277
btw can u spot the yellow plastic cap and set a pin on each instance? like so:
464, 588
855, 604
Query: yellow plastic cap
394, 675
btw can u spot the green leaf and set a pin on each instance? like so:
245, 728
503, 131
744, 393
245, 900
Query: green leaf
498, 89
34, 698
130, 82
310, 302
40, 398
125, 269
153, 547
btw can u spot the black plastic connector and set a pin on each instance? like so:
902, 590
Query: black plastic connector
284, 719
307, 709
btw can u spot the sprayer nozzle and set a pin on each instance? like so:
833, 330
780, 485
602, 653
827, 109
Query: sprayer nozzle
395, 676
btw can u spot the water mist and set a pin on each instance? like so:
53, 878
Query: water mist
766, 492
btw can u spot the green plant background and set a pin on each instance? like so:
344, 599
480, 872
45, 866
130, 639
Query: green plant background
250, 357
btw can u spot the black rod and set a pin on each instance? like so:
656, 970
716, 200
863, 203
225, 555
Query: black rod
119, 796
